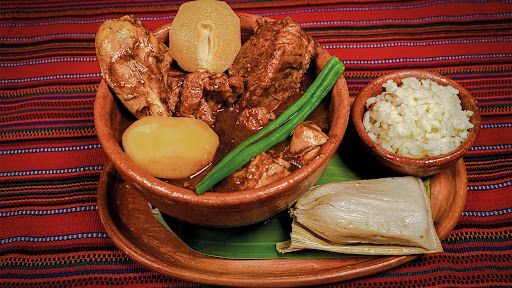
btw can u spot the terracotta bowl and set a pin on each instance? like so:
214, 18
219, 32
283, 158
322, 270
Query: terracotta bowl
408, 165
218, 209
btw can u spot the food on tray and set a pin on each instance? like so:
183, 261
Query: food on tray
133, 64
264, 78
205, 34
417, 119
272, 63
172, 148
387, 216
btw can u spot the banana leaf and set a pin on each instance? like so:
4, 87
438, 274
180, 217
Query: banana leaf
257, 241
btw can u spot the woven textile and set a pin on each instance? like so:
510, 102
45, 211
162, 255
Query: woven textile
50, 158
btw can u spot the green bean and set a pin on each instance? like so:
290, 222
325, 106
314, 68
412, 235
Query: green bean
320, 88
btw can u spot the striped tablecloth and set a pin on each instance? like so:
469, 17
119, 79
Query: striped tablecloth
50, 158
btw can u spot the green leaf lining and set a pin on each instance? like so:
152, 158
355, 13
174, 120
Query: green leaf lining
257, 241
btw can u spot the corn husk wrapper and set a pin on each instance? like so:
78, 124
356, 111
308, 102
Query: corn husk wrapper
387, 216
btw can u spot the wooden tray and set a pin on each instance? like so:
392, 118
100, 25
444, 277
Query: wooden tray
131, 226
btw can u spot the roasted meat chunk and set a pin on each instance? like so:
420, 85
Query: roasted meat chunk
133, 63
306, 141
272, 63
222, 88
174, 81
263, 170
192, 102
255, 118
203, 94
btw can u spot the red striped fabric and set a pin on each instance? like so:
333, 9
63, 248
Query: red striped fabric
50, 158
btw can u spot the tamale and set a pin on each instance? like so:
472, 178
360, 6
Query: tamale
387, 216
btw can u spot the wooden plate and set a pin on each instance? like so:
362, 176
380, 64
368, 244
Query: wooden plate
133, 229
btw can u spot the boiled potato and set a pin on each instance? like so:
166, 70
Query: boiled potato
205, 35
170, 148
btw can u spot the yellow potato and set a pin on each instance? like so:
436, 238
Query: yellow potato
170, 148
205, 34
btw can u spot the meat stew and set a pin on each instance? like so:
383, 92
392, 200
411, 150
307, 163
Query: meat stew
212, 97
231, 133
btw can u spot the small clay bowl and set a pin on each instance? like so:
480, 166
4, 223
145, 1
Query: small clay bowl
408, 165
219, 209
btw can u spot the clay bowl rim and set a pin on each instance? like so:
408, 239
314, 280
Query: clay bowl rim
359, 107
339, 111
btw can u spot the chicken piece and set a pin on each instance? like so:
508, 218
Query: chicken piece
203, 93
133, 64
192, 102
255, 118
222, 88
306, 141
272, 63
262, 170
